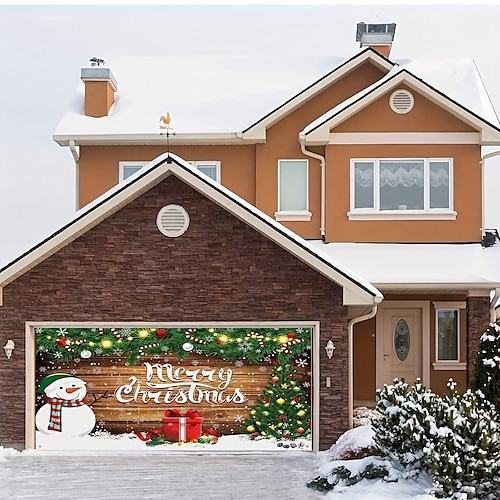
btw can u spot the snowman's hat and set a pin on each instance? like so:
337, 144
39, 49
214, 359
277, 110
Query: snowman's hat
50, 379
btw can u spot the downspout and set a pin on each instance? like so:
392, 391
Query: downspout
74, 152
350, 356
483, 203
494, 300
302, 140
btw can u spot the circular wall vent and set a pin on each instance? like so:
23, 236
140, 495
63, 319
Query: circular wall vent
172, 221
401, 101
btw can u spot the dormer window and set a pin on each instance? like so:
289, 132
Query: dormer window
415, 188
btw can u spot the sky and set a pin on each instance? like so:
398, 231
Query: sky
44, 46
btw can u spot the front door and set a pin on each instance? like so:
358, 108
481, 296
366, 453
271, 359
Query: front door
399, 345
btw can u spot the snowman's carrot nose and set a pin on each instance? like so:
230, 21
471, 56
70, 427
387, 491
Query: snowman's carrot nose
70, 390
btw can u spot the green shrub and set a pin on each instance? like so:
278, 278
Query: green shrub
455, 438
486, 376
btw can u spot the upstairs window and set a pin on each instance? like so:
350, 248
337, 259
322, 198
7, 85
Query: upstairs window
127, 168
401, 185
293, 188
210, 168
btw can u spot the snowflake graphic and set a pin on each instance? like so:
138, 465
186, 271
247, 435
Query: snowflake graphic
62, 332
245, 346
57, 355
302, 363
238, 363
38, 330
299, 330
93, 329
42, 369
195, 362
98, 351
73, 372
117, 352
239, 418
263, 368
306, 384
96, 369
125, 332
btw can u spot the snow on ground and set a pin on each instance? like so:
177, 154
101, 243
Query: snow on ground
300, 464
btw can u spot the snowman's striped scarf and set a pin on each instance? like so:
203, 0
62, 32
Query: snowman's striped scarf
56, 406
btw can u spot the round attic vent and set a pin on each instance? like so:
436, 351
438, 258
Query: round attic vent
401, 101
172, 221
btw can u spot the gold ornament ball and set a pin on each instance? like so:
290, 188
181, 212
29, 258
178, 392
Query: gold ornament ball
250, 428
283, 339
143, 334
106, 343
280, 401
301, 413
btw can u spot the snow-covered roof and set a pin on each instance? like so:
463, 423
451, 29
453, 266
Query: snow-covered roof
356, 290
420, 266
225, 96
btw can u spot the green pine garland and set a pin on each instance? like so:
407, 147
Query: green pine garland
252, 344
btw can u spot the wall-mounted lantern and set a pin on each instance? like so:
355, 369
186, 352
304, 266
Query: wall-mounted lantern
329, 348
9, 347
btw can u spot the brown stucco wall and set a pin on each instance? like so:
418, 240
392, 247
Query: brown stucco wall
99, 166
124, 269
466, 192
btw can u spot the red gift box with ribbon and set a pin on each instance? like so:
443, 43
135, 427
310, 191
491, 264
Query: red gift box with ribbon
185, 427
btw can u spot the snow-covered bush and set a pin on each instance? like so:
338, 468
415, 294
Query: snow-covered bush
486, 376
455, 438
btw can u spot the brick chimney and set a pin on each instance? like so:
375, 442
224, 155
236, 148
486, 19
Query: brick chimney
100, 88
377, 35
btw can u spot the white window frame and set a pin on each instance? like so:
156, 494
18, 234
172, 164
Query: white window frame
293, 215
375, 213
448, 364
122, 165
206, 163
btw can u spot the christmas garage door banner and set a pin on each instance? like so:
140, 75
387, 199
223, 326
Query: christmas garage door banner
130, 388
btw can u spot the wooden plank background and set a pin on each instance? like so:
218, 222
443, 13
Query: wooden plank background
103, 375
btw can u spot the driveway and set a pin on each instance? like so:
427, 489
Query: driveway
277, 476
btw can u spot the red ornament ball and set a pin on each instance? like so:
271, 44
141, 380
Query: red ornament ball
291, 335
62, 342
300, 430
274, 379
161, 334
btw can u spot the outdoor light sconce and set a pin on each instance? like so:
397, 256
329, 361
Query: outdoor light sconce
329, 348
9, 347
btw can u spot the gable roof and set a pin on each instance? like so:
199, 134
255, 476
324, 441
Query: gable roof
479, 114
357, 291
219, 99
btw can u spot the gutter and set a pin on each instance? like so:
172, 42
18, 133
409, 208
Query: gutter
350, 354
302, 141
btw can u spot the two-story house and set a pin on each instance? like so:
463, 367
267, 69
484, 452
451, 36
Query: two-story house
340, 201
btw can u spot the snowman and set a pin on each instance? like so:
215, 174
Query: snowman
65, 414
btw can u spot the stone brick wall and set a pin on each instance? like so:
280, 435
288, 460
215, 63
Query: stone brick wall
478, 317
124, 269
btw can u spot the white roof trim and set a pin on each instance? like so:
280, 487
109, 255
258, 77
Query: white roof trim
318, 131
152, 139
360, 291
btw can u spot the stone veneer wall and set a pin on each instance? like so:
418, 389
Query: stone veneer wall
478, 317
124, 269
